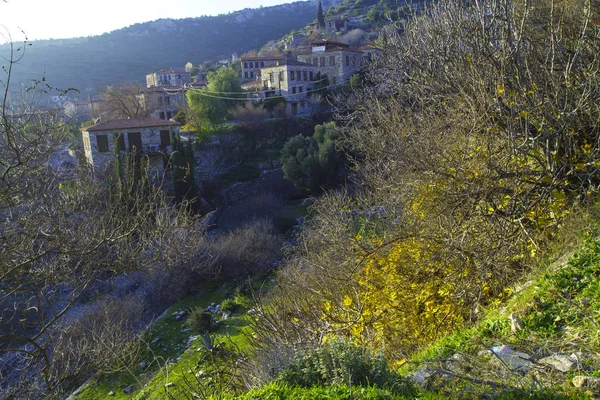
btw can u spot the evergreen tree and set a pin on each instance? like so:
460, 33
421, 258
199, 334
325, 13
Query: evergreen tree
320, 17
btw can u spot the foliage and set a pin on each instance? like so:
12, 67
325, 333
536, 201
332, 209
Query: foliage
251, 118
468, 151
313, 162
338, 363
229, 305
201, 321
276, 391
320, 17
210, 106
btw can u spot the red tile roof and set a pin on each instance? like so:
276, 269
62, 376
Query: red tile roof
133, 123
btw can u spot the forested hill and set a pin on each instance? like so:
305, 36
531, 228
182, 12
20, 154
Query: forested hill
127, 54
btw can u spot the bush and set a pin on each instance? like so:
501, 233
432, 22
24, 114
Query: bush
314, 162
338, 363
247, 250
201, 321
229, 305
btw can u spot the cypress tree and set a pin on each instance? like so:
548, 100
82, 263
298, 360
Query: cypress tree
320, 17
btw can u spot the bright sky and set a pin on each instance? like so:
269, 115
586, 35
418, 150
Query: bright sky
58, 19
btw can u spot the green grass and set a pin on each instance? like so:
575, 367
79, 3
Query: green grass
275, 391
161, 356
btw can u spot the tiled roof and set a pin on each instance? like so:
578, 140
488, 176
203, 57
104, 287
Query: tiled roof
327, 42
289, 62
133, 123
170, 71
258, 58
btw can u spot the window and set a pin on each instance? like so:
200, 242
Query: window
299, 89
161, 115
121, 142
251, 65
245, 65
311, 75
262, 64
169, 114
315, 61
281, 76
246, 74
304, 73
293, 75
294, 90
251, 74
331, 60
271, 77
347, 60
102, 141
353, 60
165, 138
322, 60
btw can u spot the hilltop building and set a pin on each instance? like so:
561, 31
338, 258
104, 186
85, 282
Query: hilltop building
335, 59
170, 77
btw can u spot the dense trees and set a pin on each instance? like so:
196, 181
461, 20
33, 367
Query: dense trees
313, 162
477, 132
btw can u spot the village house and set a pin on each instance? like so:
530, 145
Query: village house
142, 136
292, 80
78, 110
164, 102
251, 66
336, 25
170, 77
335, 59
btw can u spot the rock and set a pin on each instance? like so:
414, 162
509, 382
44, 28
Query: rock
587, 382
226, 315
169, 384
515, 360
155, 340
128, 389
253, 311
421, 377
585, 301
178, 318
111, 393
516, 324
191, 340
199, 374
560, 362
186, 330
143, 365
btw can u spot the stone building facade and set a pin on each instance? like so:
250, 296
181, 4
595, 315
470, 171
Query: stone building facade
293, 80
337, 60
251, 66
170, 77
143, 136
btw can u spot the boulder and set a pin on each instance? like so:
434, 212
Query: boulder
560, 362
587, 382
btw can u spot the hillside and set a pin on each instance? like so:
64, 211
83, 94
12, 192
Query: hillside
125, 55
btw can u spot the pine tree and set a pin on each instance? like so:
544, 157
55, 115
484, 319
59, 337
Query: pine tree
320, 17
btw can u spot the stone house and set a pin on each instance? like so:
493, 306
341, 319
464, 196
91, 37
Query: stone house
251, 66
78, 110
335, 59
293, 80
142, 136
164, 102
336, 25
170, 77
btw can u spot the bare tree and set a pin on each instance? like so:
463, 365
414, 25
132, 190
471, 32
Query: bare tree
59, 234
130, 100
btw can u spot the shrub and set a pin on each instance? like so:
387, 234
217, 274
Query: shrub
313, 162
229, 305
339, 362
201, 321
247, 250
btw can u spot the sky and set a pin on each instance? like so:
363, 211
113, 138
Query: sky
59, 19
